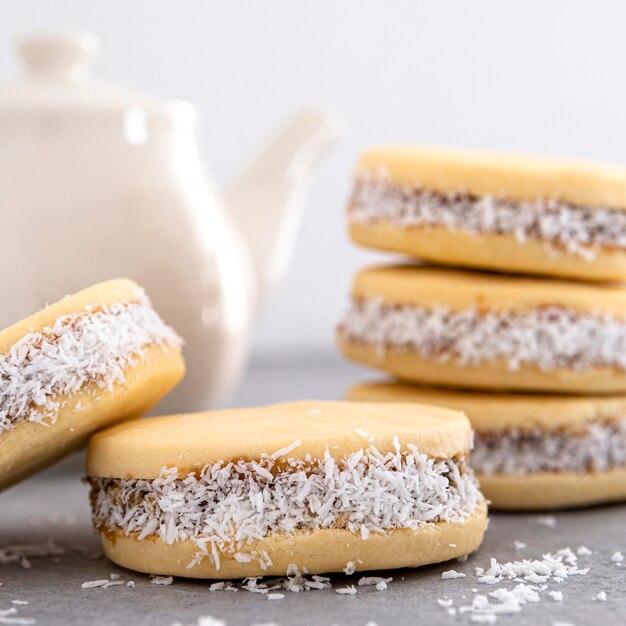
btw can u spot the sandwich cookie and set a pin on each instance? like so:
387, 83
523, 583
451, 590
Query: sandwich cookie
511, 213
533, 452
91, 359
467, 329
306, 487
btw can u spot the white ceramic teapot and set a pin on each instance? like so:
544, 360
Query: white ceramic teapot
99, 181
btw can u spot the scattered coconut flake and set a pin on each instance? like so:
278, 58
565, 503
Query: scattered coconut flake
445, 603
350, 568
484, 619
275, 596
19, 602
557, 596
617, 557
583, 551
551, 567
161, 580
93, 584
131, 584
114, 576
601, 596
451, 573
22, 553
350, 590
545, 520
5, 618
372, 581
520, 545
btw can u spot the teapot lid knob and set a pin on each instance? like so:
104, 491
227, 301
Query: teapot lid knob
58, 56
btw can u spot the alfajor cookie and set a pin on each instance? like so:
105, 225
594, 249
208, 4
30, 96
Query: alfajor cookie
470, 329
511, 213
533, 452
91, 359
301, 487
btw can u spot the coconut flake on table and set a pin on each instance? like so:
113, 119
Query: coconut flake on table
161, 580
451, 574
94, 346
583, 551
275, 596
532, 578
6, 617
22, 553
350, 590
544, 520
600, 596
519, 545
617, 557
374, 581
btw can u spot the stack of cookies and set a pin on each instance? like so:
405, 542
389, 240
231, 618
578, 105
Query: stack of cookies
520, 321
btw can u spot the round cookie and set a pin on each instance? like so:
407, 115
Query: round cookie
92, 359
280, 489
503, 212
470, 329
533, 452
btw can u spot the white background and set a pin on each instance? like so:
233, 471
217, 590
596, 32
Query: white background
531, 76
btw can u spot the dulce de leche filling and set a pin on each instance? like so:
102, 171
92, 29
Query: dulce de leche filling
579, 230
229, 506
93, 346
549, 337
599, 446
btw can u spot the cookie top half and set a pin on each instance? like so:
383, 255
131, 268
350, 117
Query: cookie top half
514, 176
496, 412
106, 294
457, 290
141, 448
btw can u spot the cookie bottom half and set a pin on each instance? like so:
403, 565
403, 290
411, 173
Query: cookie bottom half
30, 446
312, 551
495, 252
410, 366
554, 490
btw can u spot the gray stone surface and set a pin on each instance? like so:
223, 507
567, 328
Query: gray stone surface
54, 505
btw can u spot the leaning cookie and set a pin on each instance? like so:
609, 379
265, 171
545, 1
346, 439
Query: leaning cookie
533, 452
510, 213
310, 487
91, 359
471, 329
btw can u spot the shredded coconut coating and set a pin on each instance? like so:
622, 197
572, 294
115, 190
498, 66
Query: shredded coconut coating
549, 337
600, 447
578, 230
231, 505
94, 346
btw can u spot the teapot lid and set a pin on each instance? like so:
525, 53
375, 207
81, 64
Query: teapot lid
57, 79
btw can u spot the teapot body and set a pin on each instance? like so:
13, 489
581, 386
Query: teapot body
89, 202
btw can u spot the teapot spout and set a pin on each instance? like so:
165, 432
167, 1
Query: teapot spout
266, 200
